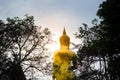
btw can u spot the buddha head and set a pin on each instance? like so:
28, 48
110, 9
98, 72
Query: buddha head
64, 39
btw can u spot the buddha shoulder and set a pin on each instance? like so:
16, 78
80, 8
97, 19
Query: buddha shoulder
64, 53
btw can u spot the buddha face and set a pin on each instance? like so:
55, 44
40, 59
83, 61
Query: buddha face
64, 39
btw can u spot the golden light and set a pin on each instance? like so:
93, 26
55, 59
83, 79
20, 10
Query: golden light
56, 44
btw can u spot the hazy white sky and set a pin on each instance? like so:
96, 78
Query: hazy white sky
54, 14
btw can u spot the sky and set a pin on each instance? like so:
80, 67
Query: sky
53, 14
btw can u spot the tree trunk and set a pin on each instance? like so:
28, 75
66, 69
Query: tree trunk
16, 72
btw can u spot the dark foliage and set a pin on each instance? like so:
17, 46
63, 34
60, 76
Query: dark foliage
22, 48
101, 44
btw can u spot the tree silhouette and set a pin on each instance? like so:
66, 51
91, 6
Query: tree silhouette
101, 44
22, 47
109, 14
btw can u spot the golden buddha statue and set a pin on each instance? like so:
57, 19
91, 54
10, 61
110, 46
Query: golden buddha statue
64, 60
